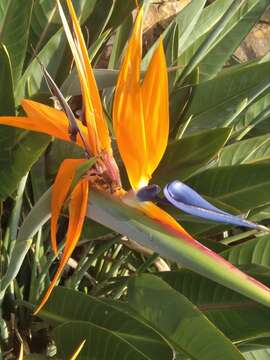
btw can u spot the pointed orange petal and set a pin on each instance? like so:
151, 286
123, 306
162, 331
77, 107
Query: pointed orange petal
89, 111
43, 118
77, 210
128, 118
60, 190
155, 97
98, 132
101, 125
76, 353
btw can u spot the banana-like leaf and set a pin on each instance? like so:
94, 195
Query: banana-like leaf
254, 111
178, 320
19, 149
15, 20
95, 311
101, 343
235, 315
183, 158
252, 255
222, 51
218, 102
50, 56
241, 186
248, 151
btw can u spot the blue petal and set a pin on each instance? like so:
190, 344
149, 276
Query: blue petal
186, 199
148, 193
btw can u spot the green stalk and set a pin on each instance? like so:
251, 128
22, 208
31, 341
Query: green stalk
12, 229
238, 237
78, 275
34, 283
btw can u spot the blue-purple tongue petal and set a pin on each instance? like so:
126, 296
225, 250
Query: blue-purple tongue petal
188, 200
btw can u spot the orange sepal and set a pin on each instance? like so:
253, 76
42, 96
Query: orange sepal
154, 212
77, 210
165, 219
128, 118
43, 118
60, 190
155, 98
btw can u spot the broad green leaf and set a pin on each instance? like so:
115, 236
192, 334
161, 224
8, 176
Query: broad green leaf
260, 213
182, 26
222, 51
14, 32
184, 157
259, 354
121, 37
32, 81
101, 343
253, 345
256, 123
253, 255
99, 18
236, 316
58, 151
44, 24
17, 157
217, 102
178, 320
46, 20
19, 251
249, 151
241, 186
66, 305
7, 105
209, 41
209, 17
105, 78
113, 213
121, 10
244, 121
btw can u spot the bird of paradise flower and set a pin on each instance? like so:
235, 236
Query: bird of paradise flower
141, 127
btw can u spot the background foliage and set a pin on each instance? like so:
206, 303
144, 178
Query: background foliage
125, 300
